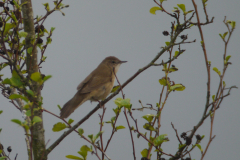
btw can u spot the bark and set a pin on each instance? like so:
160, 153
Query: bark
37, 131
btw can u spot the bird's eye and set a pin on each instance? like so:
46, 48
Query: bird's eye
113, 62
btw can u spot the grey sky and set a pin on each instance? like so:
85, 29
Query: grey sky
92, 30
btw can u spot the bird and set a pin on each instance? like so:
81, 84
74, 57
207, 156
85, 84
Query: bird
95, 87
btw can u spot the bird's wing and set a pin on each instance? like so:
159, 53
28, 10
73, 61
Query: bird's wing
95, 80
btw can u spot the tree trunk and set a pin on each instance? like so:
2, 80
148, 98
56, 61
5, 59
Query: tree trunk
37, 130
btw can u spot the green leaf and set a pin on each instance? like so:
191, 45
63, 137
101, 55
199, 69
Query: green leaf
59, 107
29, 50
1, 111
154, 9
224, 35
91, 137
36, 77
115, 88
49, 40
144, 152
37, 119
47, 6
199, 146
30, 92
224, 84
160, 139
217, 71
28, 112
167, 43
177, 87
15, 80
58, 127
83, 151
182, 7
147, 126
148, 117
173, 69
14, 96
70, 121
46, 78
123, 102
163, 81
120, 127
73, 157
228, 57
233, 24
6, 81
162, 1
17, 121
213, 98
52, 29
3, 158
97, 135
8, 26
176, 53
23, 34
80, 131
85, 148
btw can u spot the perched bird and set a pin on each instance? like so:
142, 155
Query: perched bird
96, 86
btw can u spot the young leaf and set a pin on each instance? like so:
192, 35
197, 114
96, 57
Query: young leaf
36, 77
17, 121
176, 53
73, 157
30, 92
147, 126
217, 71
6, 81
29, 50
59, 107
167, 43
70, 121
115, 88
120, 127
46, 78
144, 152
97, 135
58, 127
14, 96
228, 57
162, 1
80, 131
224, 35
1, 111
182, 7
213, 98
8, 26
163, 81
160, 139
154, 9
148, 117
91, 137
233, 24
52, 29
23, 34
199, 146
37, 119
177, 87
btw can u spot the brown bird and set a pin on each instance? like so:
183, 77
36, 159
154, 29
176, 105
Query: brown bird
95, 87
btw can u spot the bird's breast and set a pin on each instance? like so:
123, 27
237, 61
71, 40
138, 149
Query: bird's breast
103, 91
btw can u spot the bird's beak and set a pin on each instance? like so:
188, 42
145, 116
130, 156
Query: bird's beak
122, 62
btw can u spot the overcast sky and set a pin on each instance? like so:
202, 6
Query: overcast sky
93, 30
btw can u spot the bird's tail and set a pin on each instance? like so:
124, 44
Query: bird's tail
72, 104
